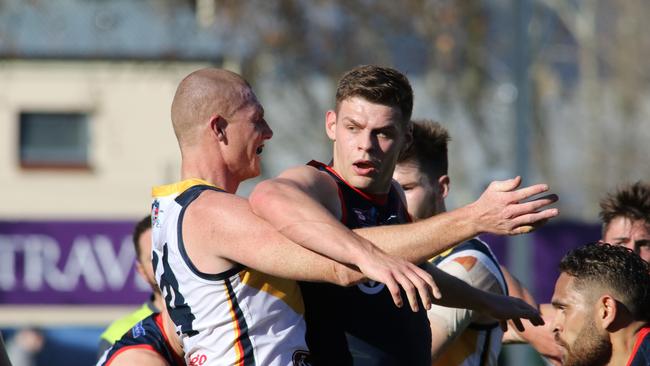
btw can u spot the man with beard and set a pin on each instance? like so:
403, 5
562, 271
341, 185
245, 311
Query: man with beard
626, 218
602, 302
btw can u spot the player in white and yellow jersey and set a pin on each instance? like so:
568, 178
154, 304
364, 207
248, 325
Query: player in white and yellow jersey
459, 336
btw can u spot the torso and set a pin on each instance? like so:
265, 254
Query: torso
361, 325
236, 317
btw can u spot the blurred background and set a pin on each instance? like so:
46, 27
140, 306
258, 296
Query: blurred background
554, 90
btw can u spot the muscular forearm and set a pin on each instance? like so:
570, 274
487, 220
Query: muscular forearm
422, 240
306, 221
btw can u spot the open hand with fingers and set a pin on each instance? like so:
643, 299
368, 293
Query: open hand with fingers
506, 209
397, 273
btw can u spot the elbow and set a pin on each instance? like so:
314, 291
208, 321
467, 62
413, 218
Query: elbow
261, 197
345, 276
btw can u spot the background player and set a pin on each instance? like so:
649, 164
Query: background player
459, 336
626, 218
602, 301
151, 342
142, 244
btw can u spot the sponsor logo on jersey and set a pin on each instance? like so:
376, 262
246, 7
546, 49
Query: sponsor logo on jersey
300, 358
371, 287
138, 330
155, 211
198, 360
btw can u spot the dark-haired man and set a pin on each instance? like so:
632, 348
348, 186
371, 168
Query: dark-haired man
459, 336
602, 302
626, 218
318, 204
142, 245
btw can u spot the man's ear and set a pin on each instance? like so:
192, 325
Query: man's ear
330, 124
218, 126
606, 310
443, 184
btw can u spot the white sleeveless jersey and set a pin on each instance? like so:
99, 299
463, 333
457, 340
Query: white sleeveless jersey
479, 343
239, 317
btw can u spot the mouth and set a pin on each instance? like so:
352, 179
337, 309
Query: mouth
364, 167
259, 149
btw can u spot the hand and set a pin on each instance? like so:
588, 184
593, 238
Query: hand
396, 273
504, 308
500, 209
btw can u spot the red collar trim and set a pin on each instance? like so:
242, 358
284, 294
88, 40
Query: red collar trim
377, 199
639, 339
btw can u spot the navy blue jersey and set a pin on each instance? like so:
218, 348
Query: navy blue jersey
146, 334
361, 325
641, 352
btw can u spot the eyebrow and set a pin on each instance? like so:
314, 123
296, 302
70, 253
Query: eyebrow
353, 121
557, 303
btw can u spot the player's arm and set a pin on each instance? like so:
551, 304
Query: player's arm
447, 323
225, 231
502, 209
459, 294
303, 204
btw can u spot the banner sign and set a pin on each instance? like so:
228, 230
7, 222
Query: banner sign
66, 262
550, 243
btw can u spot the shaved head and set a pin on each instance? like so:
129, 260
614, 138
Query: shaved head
204, 94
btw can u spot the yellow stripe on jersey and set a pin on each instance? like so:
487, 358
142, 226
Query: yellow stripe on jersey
443, 254
462, 348
285, 290
178, 187
239, 349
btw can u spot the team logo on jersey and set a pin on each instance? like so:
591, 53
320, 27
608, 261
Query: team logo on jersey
138, 330
155, 210
371, 287
300, 358
366, 217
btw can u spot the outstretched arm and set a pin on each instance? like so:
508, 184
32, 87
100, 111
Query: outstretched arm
458, 294
502, 209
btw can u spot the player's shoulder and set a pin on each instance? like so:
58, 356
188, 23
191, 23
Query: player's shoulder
480, 266
122, 325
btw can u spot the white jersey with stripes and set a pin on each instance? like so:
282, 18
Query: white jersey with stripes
238, 317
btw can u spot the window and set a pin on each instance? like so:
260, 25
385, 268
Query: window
54, 140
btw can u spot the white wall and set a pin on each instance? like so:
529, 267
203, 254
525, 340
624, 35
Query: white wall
132, 146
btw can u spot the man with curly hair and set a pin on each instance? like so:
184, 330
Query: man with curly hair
626, 218
602, 298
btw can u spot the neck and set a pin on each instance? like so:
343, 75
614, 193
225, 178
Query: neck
158, 301
623, 342
210, 167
